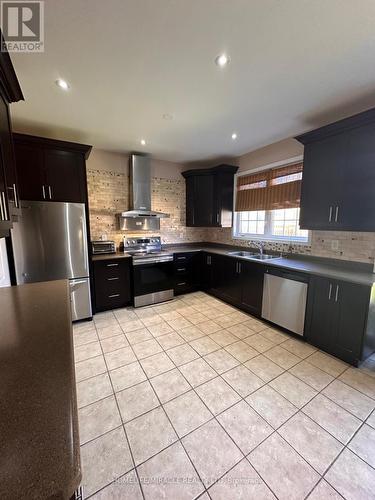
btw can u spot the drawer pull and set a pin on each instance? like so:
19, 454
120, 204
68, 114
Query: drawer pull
112, 265
181, 258
181, 284
181, 269
112, 279
114, 295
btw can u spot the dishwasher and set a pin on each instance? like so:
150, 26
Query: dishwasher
284, 299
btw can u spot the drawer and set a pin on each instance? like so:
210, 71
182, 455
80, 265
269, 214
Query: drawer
109, 269
105, 301
183, 270
182, 286
184, 258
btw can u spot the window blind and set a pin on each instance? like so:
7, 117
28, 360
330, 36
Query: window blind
270, 189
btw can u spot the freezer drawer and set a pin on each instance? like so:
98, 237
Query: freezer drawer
80, 298
284, 301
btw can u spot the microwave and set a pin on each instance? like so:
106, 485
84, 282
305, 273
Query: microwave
101, 246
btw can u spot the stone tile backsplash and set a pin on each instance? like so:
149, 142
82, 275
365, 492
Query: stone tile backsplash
109, 194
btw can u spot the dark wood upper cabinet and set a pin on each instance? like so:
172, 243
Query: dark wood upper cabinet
31, 174
339, 175
10, 91
209, 196
51, 170
65, 175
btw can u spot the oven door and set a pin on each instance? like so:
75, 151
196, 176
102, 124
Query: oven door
152, 277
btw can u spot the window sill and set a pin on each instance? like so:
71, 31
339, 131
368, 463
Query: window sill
268, 239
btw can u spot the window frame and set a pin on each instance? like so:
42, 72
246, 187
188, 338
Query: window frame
236, 235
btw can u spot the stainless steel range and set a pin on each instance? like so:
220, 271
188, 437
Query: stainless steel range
152, 270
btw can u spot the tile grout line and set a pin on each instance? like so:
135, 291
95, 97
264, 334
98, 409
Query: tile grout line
125, 433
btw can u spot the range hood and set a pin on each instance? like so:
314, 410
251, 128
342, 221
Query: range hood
140, 197
140, 188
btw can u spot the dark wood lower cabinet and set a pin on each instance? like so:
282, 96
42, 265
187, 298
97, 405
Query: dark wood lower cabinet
340, 316
236, 281
226, 282
252, 277
186, 272
112, 283
338, 319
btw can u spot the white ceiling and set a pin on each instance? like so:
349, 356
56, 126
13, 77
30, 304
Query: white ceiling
295, 65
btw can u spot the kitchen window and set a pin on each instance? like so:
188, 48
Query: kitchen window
267, 204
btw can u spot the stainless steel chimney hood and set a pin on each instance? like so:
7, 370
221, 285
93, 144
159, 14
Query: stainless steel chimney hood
140, 197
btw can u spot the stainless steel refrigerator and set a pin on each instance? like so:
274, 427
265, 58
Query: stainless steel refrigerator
50, 243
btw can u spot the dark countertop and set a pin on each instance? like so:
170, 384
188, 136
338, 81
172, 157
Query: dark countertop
327, 268
109, 256
38, 424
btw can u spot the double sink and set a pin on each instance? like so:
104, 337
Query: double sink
255, 256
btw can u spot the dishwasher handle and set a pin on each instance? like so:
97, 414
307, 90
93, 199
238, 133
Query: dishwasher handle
288, 275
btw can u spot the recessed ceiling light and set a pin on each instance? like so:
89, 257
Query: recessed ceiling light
222, 60
234, 136
63, 84
143, 142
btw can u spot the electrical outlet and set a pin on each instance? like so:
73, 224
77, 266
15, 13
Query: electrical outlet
334, 244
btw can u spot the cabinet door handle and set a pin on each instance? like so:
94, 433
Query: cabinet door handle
181, 269
337, 293
330, 214
2, 215
209, 260
50, 192
16, 200
112, 279
217, 218
114, 295
44, 192
337, 214
181, 284
112, 265
181, 258
15, 197
330, 291
239, 268
5, 209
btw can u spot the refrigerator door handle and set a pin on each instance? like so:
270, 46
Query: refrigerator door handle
77, 282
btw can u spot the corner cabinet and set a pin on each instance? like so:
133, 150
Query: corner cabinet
235, 281
209, 196
51, 170
10, 91
340, 318
338, 181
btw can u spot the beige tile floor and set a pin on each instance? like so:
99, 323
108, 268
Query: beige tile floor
195, 399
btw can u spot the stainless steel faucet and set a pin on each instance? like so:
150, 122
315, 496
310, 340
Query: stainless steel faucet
259, 245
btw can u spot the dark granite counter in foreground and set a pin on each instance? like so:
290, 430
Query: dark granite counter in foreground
38, 413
